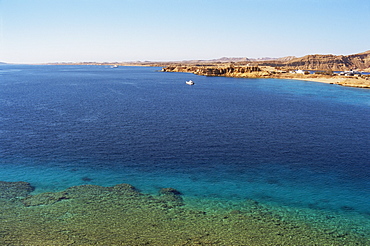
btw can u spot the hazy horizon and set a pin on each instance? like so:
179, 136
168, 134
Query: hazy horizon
41, 31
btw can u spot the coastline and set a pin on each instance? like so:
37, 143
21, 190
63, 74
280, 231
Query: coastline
269, 72
242, 71
350, 82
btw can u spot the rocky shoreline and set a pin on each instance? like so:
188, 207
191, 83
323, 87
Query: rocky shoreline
247, 71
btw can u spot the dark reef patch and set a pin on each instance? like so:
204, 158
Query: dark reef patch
86, 179
45, 198
9, 190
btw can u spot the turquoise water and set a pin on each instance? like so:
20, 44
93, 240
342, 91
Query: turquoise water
296, 145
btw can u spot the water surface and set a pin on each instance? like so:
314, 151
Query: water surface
297, 145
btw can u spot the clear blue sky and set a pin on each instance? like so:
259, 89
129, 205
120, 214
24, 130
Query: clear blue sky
35, 31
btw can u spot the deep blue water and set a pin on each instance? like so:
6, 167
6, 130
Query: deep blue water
291, 143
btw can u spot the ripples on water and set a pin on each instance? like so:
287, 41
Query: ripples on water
295, 144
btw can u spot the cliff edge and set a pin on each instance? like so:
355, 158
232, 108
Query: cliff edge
360, 61
247, 71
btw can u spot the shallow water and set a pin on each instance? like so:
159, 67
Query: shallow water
293, 145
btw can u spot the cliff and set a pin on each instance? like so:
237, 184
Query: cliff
248, 71
359, 61
220, 70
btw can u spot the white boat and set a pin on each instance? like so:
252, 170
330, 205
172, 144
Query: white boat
114, 66
190, 82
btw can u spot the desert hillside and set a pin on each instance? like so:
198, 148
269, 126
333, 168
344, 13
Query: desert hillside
359, 61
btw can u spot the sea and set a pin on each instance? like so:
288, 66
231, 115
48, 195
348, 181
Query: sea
296, 146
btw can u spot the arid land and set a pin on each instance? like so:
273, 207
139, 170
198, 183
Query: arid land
231, 70
321, 68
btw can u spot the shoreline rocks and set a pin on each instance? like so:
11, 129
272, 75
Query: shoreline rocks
248, 71
226, 70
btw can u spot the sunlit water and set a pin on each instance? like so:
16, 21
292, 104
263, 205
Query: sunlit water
293, 144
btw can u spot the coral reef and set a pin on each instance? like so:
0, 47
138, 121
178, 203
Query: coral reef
121, 215
14, 189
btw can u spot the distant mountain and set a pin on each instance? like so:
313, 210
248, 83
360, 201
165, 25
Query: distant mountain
238, 60
246, 59
230, 59
286, 58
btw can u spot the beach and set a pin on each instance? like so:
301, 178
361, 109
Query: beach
336, 80
236, 71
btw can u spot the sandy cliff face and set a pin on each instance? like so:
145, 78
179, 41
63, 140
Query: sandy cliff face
239, 71
222, 70
359, 61
362, 60
320, 62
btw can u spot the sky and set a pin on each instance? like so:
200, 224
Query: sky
39, 31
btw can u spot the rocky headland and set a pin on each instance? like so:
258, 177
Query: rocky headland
255, 71
360, 61
281, 68
321, 68
219, 70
